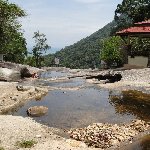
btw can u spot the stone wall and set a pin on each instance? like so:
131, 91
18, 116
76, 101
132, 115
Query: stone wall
138, 61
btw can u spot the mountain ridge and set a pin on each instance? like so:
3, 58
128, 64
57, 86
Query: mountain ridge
84, 53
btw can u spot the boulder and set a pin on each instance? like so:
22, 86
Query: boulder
9, 74
25, 73
25, 88
37, 111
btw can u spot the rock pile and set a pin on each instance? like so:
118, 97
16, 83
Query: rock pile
103, 136
137, 75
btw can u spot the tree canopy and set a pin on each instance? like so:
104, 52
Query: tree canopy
40, 47
12, 41
111, 51
137, 10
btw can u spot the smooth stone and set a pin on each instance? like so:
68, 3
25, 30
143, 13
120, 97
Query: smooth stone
37, 111
25, 88
75, 143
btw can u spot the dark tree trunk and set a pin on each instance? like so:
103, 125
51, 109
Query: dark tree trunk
37, 61
125, 51
148, 64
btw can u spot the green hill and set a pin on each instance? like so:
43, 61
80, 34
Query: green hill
85, 53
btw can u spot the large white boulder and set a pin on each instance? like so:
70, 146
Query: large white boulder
9, 74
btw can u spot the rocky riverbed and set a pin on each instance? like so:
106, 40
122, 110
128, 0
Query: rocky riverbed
12, 95
103, 136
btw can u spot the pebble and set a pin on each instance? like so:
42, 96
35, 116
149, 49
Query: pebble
38, 136
106, 135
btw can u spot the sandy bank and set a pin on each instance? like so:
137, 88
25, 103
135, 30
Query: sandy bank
16, 128
11, 98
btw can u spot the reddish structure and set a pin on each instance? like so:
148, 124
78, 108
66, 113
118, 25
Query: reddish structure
141, 29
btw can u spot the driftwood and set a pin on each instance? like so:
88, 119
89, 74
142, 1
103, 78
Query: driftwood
110, 77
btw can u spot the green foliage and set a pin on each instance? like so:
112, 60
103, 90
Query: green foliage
30, 60
12, 41
123, 22
40, 47
111, 51
85, 53
137, 10
48, 60
26, 144
140, 46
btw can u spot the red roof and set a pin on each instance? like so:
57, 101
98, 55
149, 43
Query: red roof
147, 22
135, 30
140, 29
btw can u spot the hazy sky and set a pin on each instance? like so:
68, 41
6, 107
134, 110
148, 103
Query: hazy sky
65, 21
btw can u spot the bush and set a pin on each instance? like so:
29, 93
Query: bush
111, 52
26, 144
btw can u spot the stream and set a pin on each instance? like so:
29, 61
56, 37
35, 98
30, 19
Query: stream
73, 108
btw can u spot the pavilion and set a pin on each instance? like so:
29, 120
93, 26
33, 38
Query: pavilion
140, 29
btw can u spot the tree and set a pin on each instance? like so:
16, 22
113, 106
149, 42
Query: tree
40, 47
111, 51
30, 61
137, 10
12, 41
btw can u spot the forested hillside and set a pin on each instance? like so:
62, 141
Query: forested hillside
85, 53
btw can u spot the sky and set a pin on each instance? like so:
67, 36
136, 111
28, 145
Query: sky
65, 22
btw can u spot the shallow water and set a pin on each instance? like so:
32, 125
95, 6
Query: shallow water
90, 104
53, 74
78, 108
75, 82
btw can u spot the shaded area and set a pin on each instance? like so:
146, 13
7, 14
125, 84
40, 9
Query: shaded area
141, 144
132, 102
111, 78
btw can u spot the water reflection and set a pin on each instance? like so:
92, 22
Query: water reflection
141, 144
132, 102
68, 83
77, 108
53, 74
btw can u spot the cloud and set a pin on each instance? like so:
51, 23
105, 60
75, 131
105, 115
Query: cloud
65, 21
88, 1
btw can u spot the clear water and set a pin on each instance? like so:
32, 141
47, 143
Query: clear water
53, 74
79, 108
75, 82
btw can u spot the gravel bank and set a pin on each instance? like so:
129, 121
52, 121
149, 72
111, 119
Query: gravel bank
134, 79
11, 97
15, 128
